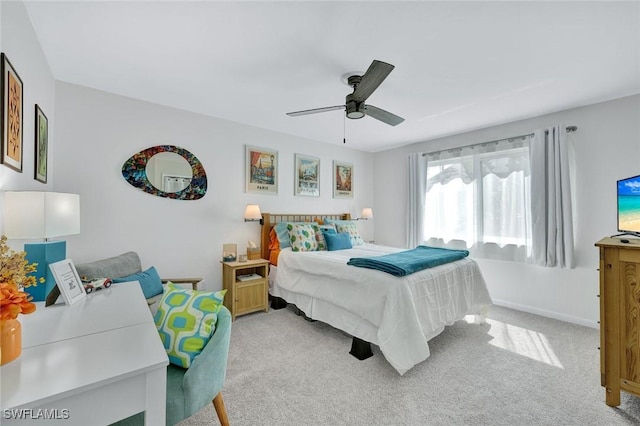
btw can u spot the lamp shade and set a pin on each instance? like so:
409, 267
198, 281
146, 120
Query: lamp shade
367, 213
36, 214
252, 212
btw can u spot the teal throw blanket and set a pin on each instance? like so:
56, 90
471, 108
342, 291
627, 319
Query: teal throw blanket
409, 261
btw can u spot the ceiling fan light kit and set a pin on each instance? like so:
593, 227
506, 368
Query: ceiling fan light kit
355, 110
363, 86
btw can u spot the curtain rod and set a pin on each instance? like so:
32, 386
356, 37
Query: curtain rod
569, 130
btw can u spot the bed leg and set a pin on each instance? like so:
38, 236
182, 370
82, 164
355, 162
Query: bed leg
303, 315
278, 303
360, 349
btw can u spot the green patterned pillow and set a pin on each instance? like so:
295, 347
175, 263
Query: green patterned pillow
302, 237
186, 320
282, 231
351, 229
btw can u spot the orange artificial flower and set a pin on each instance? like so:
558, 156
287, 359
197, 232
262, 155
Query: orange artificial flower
14, 302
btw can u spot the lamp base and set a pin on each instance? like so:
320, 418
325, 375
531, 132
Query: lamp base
43, 254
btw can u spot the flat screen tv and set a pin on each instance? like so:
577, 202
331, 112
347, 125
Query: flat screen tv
629, 206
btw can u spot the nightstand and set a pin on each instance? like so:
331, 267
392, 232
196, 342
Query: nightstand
247, 286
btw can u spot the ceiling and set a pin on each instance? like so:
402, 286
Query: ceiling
459, 66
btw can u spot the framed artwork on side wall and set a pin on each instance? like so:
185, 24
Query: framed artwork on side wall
12, 116
307, 176
41, 145
342, 180
261, 170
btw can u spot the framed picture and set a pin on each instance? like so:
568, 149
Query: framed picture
12, 118
342, 180
261, 170
41, 145
307, 176
68, 281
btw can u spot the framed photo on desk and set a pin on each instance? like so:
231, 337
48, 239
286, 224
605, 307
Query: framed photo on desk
68, 281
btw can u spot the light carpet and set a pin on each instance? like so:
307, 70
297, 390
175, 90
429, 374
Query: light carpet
517, 369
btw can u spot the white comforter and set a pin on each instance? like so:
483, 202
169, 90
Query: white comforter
399, 314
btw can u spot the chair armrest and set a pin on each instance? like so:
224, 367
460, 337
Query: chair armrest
205, 377
193, 281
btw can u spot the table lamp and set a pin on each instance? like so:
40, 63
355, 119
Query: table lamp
37, 214
366, 214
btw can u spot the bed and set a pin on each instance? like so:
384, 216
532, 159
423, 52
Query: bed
398, 314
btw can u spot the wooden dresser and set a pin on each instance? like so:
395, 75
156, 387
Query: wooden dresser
619, 317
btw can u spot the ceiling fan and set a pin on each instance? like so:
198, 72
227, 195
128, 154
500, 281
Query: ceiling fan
363, 86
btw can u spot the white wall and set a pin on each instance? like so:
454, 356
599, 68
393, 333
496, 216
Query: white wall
19, 42
607, 149
97, 132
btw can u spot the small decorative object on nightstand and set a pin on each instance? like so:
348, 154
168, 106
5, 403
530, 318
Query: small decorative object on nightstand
253, 251
246, 285
229, 252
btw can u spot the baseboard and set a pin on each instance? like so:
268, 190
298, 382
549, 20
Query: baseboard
548, 314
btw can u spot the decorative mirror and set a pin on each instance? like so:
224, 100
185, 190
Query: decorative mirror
166, 171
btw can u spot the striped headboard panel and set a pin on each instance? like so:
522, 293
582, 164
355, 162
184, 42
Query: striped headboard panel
271, 219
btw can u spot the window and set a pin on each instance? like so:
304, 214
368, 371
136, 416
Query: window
479, 198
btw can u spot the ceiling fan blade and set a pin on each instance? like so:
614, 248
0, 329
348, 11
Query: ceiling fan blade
382, 115
315, 111
371, 79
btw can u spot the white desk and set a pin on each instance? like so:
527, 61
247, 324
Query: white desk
94, 362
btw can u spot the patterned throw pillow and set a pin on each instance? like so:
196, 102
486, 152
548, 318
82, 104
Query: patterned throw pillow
350, 228
320, 230
303, 236
186, 320
282, 231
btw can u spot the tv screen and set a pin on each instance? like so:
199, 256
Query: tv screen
629, 205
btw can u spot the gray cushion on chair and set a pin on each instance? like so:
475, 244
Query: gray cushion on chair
113, 267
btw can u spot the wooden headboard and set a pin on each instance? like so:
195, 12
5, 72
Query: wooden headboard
271, 219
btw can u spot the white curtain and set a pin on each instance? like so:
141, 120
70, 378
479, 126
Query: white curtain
477, 197
551, 155
416, 191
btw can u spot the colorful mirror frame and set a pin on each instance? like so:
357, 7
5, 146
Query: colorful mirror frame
134, 171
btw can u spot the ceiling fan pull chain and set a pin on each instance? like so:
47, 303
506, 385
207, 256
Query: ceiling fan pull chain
344, 129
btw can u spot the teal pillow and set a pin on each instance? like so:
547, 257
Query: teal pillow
186, 320
149, 281
320, 230
339, 241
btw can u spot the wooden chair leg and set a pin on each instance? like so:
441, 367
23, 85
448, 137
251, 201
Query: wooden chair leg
218, 404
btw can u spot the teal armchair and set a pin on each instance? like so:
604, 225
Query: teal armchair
189, 390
